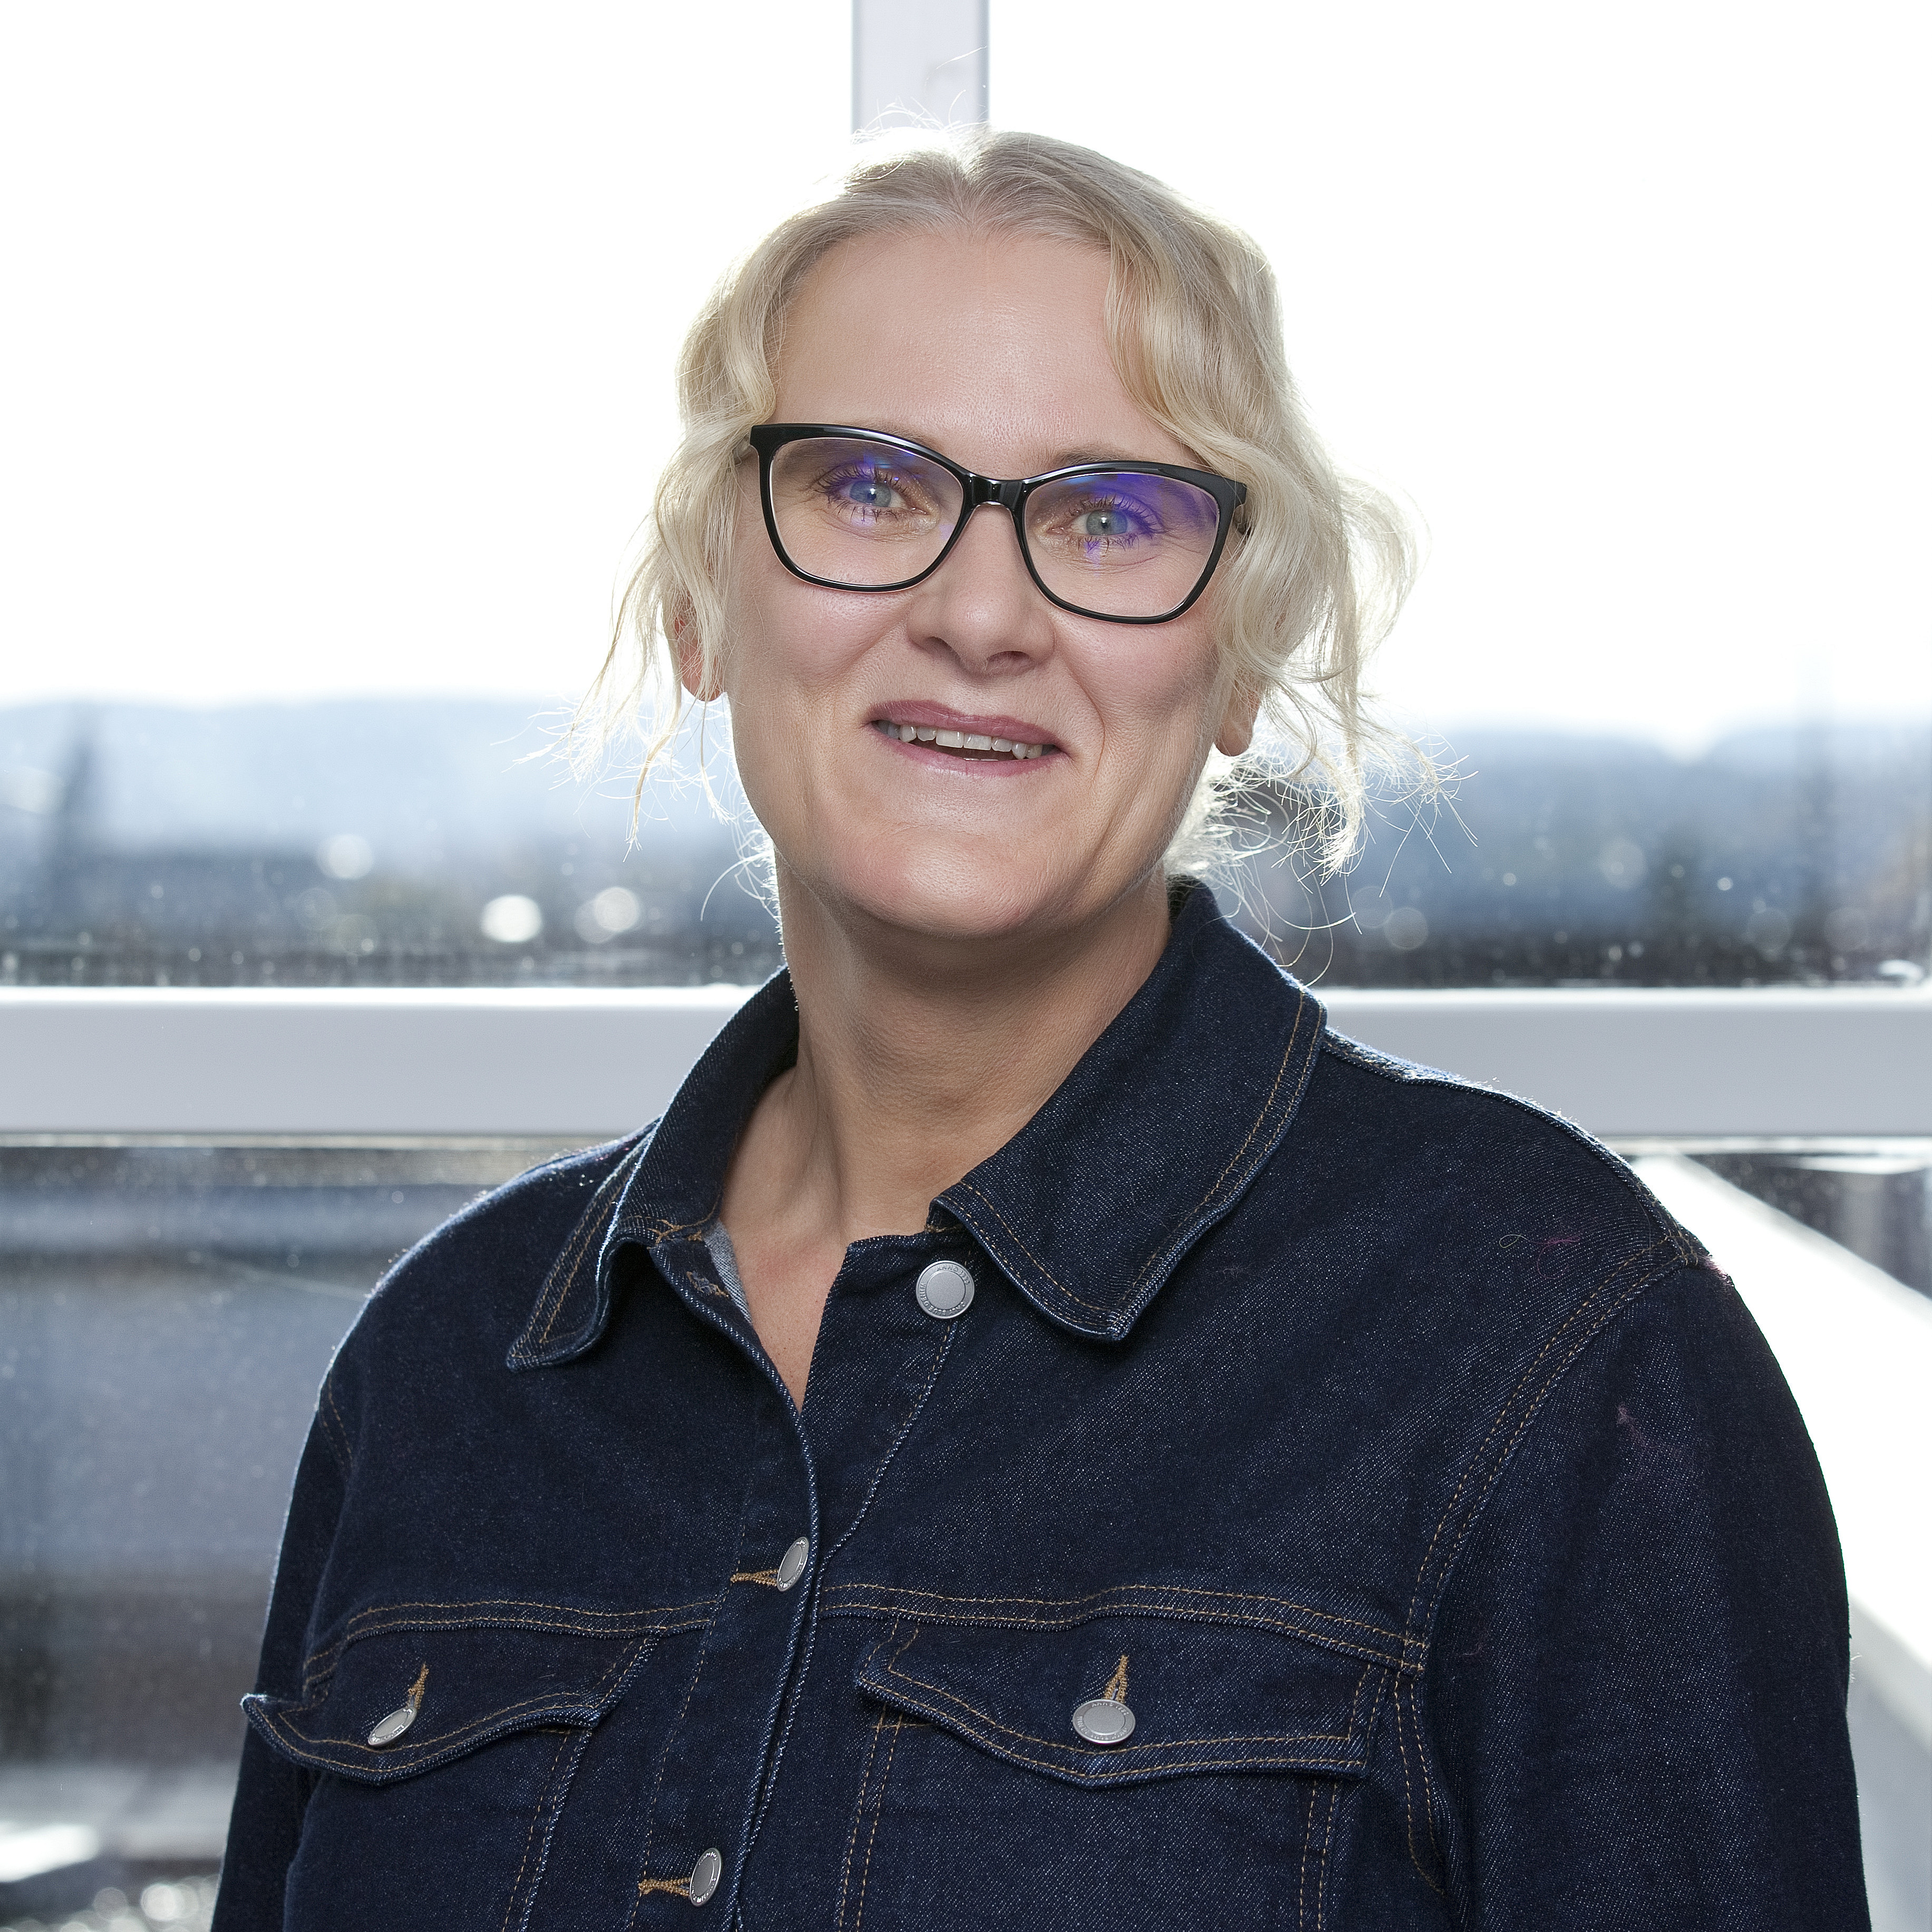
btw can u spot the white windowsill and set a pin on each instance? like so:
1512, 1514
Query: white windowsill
1856, 1348
1623, 1062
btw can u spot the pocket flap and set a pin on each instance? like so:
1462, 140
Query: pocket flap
1200, 1697
408, 1699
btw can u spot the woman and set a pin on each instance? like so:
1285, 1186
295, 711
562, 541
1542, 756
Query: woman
1042, 1433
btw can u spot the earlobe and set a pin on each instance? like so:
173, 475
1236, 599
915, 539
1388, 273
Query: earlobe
692, 674
1238, 723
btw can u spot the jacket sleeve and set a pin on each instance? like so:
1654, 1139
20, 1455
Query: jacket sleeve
1635, 1700
272, 1794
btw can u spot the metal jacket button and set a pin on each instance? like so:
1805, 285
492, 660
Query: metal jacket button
1104, 1720
944, 1289
393, 1726
705, 1875
791, 1567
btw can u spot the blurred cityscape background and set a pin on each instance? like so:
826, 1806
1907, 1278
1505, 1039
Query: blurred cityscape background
401, 841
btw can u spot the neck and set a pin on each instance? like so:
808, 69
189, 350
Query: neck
918, 1059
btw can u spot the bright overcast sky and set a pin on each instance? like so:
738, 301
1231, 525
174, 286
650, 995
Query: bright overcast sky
339, 339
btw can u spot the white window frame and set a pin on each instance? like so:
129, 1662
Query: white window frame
1625, 1063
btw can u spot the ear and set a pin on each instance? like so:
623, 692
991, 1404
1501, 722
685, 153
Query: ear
1237, 731
691, 656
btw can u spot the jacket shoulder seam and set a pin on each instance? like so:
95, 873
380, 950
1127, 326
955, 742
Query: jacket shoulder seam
334, 1431
1614, 1294
1411, 1073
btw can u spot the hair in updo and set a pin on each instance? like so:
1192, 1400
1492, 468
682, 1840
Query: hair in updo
1318, 565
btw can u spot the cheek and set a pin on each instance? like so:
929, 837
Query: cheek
786, 639
1162, 694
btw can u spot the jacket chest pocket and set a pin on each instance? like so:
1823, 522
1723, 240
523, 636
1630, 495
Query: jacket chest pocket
1126, 1771
441, 1757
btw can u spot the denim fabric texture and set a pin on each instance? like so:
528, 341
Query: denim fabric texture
1421, 1488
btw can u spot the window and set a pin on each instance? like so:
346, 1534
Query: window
349, 341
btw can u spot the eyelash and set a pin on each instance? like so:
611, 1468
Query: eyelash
830, 485
1139, 524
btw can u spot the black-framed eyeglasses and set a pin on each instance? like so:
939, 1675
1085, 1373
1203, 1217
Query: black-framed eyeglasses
857, 509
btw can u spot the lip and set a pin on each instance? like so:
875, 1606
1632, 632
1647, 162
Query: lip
943, 717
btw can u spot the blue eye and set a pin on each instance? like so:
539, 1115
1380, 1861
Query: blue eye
1111, 521
877, 491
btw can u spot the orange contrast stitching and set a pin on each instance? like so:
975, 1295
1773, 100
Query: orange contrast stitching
1014, 1238
657, 1783
1502, 1414
858, 1819
318, 1749
280, 1721
1398, 1659
1161, 1247
592, 1226
1408, 1793
1307, 1839
698, 1663
1089, 1606
626, 1623
1254, 1127
529, 1837
878, 1806
1530, 1410
1130, 1752
1321, 1865
340, 1430
590, 1229
1428, 1785
663, 1231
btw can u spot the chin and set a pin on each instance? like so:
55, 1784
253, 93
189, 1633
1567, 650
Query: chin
953, 893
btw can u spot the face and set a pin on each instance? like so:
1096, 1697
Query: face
993, 352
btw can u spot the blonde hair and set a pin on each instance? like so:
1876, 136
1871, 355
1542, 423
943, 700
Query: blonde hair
1319, 565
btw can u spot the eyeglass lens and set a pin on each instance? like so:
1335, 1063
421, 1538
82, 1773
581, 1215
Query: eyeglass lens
1121, 543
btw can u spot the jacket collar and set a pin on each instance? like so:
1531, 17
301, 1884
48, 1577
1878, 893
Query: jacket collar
1088, 1209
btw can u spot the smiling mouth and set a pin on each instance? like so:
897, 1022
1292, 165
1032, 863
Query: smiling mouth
969, 745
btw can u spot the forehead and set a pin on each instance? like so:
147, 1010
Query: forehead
991, 347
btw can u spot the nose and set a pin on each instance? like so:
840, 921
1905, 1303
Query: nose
980, 605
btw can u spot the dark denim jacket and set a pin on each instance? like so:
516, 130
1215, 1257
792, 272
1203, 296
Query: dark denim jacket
1377, 1441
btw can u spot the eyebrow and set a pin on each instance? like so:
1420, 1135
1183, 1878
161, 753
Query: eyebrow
1068, 458
1065, 459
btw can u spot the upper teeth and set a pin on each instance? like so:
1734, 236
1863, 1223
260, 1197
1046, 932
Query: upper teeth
958, 741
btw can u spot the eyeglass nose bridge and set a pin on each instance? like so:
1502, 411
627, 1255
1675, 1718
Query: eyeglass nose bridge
982, 490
